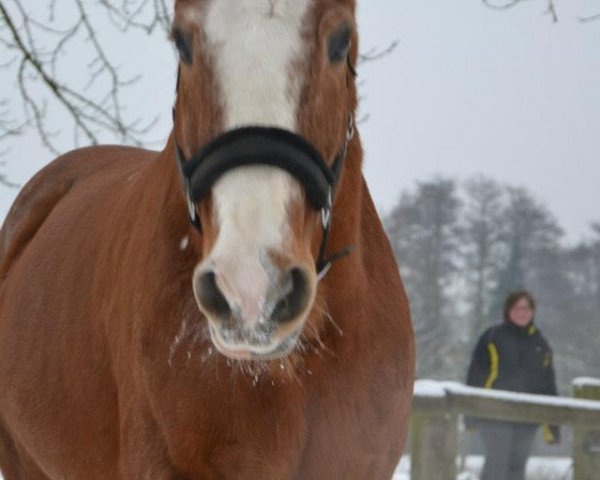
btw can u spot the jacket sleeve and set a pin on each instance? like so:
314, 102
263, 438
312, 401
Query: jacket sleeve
549, 379
551, 433
479, 369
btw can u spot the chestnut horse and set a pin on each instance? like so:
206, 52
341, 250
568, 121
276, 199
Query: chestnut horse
178, 315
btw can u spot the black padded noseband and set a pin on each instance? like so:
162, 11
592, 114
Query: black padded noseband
260, 146
274, 147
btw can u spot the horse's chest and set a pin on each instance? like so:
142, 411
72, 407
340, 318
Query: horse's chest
338, 423
247, 459
241, 436
324, 437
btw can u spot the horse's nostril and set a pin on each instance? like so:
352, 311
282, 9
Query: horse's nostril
293, 302
211, 297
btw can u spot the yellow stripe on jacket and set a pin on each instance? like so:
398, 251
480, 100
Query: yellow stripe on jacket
493, 351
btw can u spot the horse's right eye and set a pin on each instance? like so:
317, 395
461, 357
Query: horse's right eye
183, 43
338, 45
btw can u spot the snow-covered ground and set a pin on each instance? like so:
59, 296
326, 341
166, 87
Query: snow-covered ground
538, 468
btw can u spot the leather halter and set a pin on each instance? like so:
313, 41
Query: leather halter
267, 146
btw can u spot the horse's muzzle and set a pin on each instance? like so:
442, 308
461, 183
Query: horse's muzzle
250, 326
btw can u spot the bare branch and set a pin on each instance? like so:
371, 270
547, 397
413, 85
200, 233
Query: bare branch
37, 112
58, 50
4, 179
374, 54
502, 6
105, 66
94, 115
125, 16
505, 5
551, 10
30, 57
7, 125
589, 18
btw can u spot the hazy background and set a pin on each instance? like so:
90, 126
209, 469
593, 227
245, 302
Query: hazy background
509, 94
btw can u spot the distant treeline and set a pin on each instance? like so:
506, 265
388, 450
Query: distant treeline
462, 247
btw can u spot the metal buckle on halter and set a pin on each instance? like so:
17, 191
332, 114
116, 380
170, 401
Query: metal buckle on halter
321, 274
191, 207
190, 203
326, 212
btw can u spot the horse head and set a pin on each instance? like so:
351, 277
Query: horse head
263, 118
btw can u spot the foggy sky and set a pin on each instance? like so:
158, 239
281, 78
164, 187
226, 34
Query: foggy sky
470, 90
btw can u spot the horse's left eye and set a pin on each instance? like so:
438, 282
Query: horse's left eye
183, 43
338, 45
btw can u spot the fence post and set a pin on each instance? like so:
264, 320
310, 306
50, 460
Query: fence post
434, 446
586, 441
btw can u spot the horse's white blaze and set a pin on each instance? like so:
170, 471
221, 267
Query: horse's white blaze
251, 205
253, 45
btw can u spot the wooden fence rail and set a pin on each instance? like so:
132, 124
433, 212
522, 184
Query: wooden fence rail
437, 406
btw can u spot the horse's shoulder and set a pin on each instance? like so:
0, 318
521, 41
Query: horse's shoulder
50, 185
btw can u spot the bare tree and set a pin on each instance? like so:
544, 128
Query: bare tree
36, 40
426, 238
482, 244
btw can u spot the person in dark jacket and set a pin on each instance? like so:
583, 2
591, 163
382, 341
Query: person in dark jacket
512, 356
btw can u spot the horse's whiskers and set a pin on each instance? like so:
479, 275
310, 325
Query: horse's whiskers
177, 341
328, 316
323, 347
198, 332
205, 356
